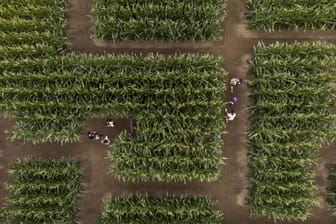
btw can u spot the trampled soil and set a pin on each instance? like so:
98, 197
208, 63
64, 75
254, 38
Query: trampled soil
231, 189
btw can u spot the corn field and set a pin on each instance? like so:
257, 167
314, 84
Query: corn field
332, 188
32, 28
176, 102
270, 15
170, 147
44, 191
163, 209
172, 20
181, 140
295, 89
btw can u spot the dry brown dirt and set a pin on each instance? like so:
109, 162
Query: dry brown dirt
231, 188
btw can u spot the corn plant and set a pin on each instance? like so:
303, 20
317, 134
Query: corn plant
332, 189
294, 93
270, 15
44, 191
172, 20
163, 209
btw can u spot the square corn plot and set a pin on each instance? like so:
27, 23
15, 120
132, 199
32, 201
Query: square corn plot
270, 15
169, 20
44, 191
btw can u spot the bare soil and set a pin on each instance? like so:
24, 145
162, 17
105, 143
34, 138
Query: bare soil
230, 190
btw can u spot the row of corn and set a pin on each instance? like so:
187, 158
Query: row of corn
270, 15
173, 20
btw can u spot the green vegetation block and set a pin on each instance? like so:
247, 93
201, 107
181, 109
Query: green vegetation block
294, 91
175, 102
164, 209
32, 28
170, 20
44, 191
270, 15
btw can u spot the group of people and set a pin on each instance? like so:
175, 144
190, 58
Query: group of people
93, 135
231, 115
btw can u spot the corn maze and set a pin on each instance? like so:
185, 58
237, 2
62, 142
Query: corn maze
163, 209
172, 20
291, 119
49, 88
270, 15
44, 191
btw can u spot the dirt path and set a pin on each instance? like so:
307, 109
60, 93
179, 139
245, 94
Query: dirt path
230, 189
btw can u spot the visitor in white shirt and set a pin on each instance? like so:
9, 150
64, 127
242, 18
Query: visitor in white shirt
230, 116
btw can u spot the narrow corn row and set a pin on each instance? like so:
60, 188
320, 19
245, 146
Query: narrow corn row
270, 15
163, 209
291, 119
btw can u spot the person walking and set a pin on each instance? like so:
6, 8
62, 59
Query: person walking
233, 101
234, 82
93, 135
106, 141
230, 116
109, 123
